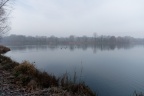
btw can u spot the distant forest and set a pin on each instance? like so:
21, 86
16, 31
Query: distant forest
71, 40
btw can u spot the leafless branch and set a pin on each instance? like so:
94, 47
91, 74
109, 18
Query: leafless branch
4, 14
2, 3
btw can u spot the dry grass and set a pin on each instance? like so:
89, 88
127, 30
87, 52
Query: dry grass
7, 63
80, 88
46, 80
138, 93
26, 72
25, 68
70, 84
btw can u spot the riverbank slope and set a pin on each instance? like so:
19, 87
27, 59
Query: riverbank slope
25, 79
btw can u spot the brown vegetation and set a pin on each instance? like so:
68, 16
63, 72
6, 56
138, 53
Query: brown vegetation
28, 76
4, 49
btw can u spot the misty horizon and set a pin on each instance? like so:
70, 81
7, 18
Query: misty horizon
63, 18
92, 35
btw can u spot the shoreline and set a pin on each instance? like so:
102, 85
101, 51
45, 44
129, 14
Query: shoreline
24, 79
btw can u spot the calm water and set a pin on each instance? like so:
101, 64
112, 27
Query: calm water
110, 71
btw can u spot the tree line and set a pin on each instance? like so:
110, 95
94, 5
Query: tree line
51, 40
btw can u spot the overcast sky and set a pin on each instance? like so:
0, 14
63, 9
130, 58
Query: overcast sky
78, 17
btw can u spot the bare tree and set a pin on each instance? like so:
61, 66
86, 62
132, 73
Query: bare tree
95, 36
4, 28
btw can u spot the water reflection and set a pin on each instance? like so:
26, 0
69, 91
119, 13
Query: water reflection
110, 72
73, 47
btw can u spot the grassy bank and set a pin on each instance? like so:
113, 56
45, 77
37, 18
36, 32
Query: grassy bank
26, 75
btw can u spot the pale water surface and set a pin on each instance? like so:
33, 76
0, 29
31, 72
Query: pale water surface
110, 71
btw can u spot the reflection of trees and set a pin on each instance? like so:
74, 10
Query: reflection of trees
84, 47
84, 42
112, 46
15, 48
94, 51
31, 47
72, 47
101, 47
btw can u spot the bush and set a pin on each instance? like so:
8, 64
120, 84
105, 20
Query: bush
46, 80
25, 68
26, 72
7, 63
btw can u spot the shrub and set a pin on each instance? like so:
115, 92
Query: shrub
7, 63
25, 68
46, 80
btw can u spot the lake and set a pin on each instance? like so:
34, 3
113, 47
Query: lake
108, 70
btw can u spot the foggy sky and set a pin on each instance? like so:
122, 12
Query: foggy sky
78, 17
